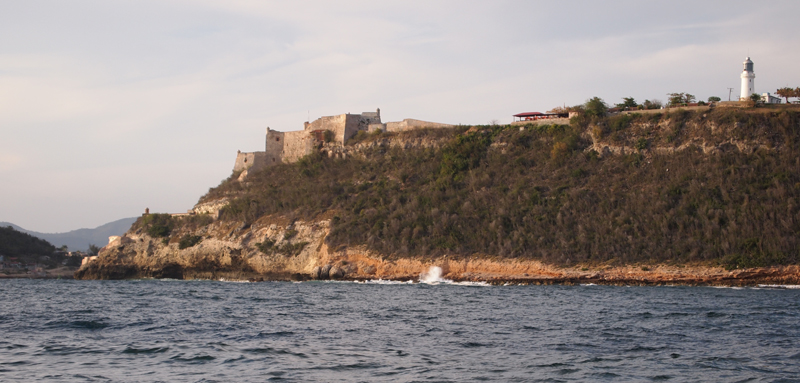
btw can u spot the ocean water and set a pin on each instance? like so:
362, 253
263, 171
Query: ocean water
210, 331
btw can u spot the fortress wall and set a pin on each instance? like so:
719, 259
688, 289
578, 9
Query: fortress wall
368, 118
544, 121
410, 123
250, 161
374, 127
259, 162
352, 124
274, 146
336, 124
296, 145
242, 159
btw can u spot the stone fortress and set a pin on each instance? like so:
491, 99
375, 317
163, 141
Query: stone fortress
288, 147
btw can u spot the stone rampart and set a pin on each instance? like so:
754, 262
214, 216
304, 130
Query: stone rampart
296, 145
543, 121
251, 161
274, 147
410, 123
288, 147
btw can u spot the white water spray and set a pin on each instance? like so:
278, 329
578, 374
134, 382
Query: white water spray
433, 276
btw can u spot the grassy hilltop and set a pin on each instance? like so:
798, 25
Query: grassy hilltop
715, 187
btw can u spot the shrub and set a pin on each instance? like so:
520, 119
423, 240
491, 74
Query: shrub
157, 225
268, 247
560, 149
290, 233
189, 241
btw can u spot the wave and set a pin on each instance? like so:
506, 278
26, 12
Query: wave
789, 287
434, 277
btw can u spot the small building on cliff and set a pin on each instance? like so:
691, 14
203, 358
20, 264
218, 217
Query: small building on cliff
288, 147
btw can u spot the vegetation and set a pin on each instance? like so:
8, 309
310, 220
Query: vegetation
680, 99
788, 92
596, 107
539, 193
714, 99
628, 103
268, 247
14, 244
188, 241
655, 104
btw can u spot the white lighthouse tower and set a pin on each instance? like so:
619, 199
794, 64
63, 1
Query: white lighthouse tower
748, 80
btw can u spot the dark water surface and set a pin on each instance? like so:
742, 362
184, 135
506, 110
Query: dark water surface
203, 331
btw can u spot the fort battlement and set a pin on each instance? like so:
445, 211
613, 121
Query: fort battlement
288, 147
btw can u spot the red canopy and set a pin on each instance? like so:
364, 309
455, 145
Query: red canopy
530, 114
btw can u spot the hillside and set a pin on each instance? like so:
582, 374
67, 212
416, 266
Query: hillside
16, 244
80, 239
717, 188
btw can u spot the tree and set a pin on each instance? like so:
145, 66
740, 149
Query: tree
93, 249
678, 99
755, 97
628, 103
595, 106
655, 104
787, 92
714, 99
566, 109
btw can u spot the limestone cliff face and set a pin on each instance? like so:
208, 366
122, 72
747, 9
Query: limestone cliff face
231, 251
670, 136
224, 250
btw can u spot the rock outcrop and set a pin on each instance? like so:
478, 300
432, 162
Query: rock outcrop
231, 251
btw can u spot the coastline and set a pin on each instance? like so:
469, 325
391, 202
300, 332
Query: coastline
57, 273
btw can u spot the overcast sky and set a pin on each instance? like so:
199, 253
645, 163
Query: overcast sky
108, 107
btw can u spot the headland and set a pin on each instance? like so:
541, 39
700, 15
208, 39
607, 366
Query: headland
678, 196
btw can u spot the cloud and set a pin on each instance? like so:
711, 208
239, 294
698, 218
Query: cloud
130, 96
9, 161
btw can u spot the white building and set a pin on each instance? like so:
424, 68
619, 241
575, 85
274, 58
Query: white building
748, 80
770, 99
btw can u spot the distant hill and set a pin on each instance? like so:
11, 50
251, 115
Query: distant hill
79, 240
14, 243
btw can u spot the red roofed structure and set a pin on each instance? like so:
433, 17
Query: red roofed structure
530, 116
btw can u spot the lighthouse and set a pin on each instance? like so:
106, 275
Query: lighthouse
748, 80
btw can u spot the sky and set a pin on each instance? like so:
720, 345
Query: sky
109, 107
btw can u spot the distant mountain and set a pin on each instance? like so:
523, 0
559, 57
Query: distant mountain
79, 240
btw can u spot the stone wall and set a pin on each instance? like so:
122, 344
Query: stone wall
250, 161
353, 123
336, 124
344, 126
544, 121
375, 127
296, 145
288, 147
274, 146
410, 123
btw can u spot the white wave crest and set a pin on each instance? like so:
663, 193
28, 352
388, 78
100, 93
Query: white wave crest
433, 276
780, 286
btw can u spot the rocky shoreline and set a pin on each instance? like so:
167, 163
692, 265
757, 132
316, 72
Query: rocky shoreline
618, 276
231, 251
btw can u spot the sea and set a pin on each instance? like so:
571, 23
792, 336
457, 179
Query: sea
381, 331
